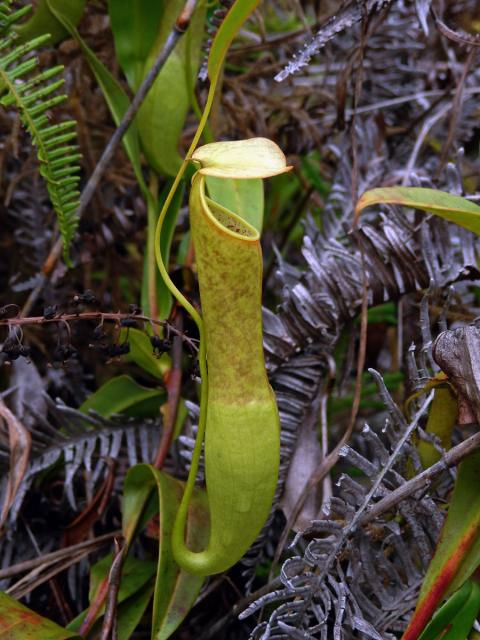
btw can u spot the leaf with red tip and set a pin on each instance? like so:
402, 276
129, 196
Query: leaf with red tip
17, 621
457, 555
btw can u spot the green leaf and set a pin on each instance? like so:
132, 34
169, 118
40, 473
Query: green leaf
119, 394
33, 94
43, 21
135, 25
141, 352
463, 622
452, 208
17, 622
175, 590
457, 615
135, 584
312, 169
117, 100
135, 574
457, 554
385, 312
447, 612
140, 505
244, 197
162, 115
132, 611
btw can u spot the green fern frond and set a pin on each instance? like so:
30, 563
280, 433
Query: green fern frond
33, 94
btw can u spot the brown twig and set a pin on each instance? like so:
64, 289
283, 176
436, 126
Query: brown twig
109, 627
55, 556
455, 36
43, 571
422, 480
174, 385
101, 317
95, 606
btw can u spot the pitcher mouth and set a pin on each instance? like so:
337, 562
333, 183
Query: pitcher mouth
227, 221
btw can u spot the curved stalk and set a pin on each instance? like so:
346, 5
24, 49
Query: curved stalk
178, 295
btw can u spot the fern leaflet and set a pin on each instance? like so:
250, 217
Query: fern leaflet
33, 94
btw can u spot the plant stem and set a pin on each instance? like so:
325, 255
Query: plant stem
174, 385
178, 295
152, 200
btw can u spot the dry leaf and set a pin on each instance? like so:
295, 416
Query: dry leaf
20, 442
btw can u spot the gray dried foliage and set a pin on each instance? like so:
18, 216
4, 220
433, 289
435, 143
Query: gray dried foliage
348, 15
352, 581
82, 444
32, 235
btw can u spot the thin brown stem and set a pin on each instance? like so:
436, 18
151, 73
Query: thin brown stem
109, 627
174, 385
55, 556
99, 316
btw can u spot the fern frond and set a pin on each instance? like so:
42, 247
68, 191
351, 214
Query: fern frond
33, 94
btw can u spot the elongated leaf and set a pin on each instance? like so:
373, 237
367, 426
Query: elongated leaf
162, 115
132, 611
118, 395
20, 444
176, 590
452, 208
457, 555
17, 622
135, 26
141, 352
463, 622
117, 100
43, 21
244, 197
